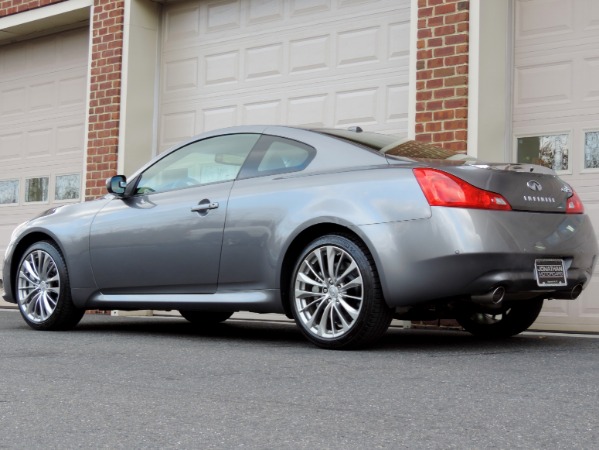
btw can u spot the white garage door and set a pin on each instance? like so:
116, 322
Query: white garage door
556, 117
310, 62
42, 116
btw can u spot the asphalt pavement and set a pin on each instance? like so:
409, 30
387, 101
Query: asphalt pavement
148, 382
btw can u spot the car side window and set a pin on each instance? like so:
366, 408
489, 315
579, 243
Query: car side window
210, 160
273, 155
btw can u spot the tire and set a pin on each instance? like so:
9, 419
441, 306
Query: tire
43, 290
336, 297
510, 321
206, 318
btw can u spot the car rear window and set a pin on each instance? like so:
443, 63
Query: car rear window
394, 146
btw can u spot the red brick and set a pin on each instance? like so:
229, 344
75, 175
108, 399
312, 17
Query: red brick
425, 12
444, 93
424, 117
435, 83
424, 74
443, 115
461, 70
461, 80
433, 126
435, 21
461, 135
444, 31
444, 136
456, 60
423, 95
456, 39
434, 106
425, 33
444, 72
455, 103
455, 124
444, 51
434, 42
447, 8
461, 113
463, 27
435, 63
457, 18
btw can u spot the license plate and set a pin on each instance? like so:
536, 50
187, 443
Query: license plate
550, 272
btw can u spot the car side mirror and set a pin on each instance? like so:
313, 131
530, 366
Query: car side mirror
116, 185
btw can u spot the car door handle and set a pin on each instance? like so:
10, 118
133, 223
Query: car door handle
203, 207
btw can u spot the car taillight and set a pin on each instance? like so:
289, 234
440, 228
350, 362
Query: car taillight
443, 189
574, 204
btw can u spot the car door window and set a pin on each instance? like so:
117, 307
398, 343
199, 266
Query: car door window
207, 161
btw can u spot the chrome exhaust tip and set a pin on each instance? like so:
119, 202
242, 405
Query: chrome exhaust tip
576, 291
573, 294
493, 297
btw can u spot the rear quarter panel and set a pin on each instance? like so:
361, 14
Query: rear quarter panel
266, 214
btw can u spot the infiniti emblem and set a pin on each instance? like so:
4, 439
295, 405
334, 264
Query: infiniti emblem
534, 185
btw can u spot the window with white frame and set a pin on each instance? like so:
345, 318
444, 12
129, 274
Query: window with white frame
550, 150
9, 192
36, 189
68, 187
591, 150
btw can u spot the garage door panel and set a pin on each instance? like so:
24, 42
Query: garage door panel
556, 58
308, 63
351, 51
42, 125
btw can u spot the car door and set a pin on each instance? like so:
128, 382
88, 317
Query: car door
167, 236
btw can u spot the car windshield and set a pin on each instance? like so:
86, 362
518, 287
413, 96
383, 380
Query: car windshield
394, 146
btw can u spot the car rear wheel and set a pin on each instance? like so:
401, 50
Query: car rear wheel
205, 317
513, 319
43, 291
336, 298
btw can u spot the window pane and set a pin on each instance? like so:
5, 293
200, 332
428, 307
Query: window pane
549, 151
9, 192
591, 150
67, 187
36, 189
283, 155
207, 161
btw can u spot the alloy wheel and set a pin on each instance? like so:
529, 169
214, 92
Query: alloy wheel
329, 292
38, 287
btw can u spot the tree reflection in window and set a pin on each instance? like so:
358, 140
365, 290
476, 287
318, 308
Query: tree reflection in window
36, 189
591, 150
67, 187
9, 192
550, 151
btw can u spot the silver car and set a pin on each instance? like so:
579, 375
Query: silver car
340, 229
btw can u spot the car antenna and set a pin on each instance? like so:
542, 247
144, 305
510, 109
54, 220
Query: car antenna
356, 129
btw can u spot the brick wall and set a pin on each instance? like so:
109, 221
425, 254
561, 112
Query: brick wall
8, 7
105, 95
442, 73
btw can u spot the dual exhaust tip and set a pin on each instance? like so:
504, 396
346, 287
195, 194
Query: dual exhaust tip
496, 295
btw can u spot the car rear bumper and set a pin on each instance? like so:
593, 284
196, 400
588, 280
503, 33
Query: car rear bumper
460, 253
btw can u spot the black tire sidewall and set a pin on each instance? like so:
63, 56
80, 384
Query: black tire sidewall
360, 334
520, 317
65, 315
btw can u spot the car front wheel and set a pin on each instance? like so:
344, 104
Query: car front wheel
43, 291
336, 297
509, 321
